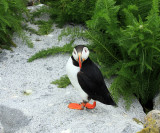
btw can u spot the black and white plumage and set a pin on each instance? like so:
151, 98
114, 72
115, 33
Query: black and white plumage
86, 77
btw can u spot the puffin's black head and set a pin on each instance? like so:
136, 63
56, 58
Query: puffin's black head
80, 54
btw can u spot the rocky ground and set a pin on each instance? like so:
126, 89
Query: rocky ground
45, 109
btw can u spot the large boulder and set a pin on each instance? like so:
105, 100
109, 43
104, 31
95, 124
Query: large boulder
156, 102
1, 128
46, 106
152, 122
43, 16
35, 7
32, 2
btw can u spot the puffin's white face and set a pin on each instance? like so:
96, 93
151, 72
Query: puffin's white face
80, 54
85, 53
75, 54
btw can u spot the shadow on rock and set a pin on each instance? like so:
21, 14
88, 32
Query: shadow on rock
12, 119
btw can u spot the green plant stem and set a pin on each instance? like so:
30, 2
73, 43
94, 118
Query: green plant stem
103, 47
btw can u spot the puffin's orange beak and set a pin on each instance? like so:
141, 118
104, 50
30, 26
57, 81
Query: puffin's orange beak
80, 63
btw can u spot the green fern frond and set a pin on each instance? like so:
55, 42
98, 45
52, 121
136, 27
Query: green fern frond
97, 41
11, 17
124, 40
5, 5
27, 40
129, 30
74, 32
52, 51
63, 82
45, 27
68, 11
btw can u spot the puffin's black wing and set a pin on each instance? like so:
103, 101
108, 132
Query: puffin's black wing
92, 82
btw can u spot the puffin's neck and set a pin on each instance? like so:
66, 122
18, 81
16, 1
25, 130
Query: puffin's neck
86, 62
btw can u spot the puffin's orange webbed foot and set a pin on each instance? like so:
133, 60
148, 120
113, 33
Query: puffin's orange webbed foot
76, 106
90, 106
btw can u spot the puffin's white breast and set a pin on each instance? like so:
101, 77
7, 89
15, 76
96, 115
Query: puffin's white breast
72, 71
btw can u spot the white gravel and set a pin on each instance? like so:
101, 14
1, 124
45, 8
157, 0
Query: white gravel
45, 109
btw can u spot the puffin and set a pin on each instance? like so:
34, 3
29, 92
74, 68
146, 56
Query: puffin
86, 77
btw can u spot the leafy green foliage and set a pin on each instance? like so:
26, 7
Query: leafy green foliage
45, 27
73, 32
78, 32
66, 11
52, 51
41, 11
126, 36
26, 39
29, 29
63, 82
11, 18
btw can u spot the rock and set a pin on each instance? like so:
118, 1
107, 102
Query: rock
49, 68
152, 122
66, 131
27, 92
12, 56
1, 128
3, 56
50, 87
43, 16
153, 117
135, 111
11, 119
130, 128
34, 8
32, 2
48, 107
3, 53
156, 102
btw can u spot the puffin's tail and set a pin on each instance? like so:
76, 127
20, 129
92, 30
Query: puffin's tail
106, 99
109, 100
